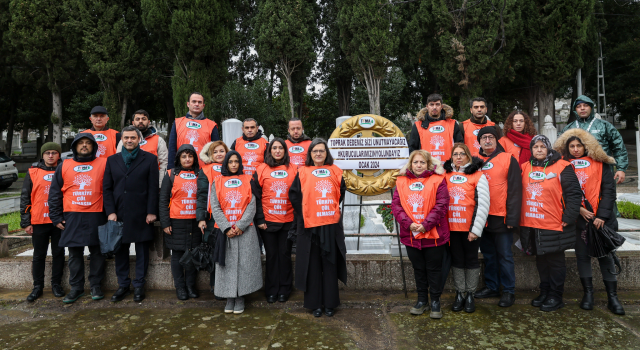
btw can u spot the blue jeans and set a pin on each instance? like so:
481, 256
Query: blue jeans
499, 267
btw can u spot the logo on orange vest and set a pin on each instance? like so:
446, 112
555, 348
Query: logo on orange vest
279, 174
436, 129
217, 167
233, 183
580, 163
279, 187
48, 177
535, 190
415, 201
296, 149
323, 187
458, 179
321, 173
82, 168
416, 186
143, 142
457, 193
188, 176
475, 132
251, 145
537, 175
193, 125
366, 122
487, 166
100, 137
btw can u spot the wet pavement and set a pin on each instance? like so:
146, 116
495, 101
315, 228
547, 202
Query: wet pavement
364, 321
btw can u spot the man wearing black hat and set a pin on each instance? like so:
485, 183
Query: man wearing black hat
106, 138
76, 208
505, 184
34, 218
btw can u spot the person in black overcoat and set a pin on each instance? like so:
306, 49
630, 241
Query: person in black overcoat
131, 196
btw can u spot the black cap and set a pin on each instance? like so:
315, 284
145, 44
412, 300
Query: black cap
488, 130
99, 110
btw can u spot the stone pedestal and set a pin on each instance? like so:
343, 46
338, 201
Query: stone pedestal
231, 130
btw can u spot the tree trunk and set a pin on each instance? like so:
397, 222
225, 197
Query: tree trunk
123, 113
545, 105
290, 89
533, 97
12, 121
171, 112
56, 117
25, 135
344, 95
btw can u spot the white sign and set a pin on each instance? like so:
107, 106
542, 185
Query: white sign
370, 153
368, 142
369, 164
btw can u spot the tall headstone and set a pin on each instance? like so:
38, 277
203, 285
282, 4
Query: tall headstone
231, 130
350, 215
549, 130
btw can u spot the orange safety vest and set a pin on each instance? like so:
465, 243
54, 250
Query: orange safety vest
438, 139
497, 172
234, 195
471, 135
213, 172
41, 180
252, 153
321, 194
275, 183
82, 189
589, 172
462, 190
542, 196
183, 195
418, 197
194, 132
150, 145
106, 140
510, 147
298, 151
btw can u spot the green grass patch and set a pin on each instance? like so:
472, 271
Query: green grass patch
21, 175
629, 210
7, 195
361, 221
13, 219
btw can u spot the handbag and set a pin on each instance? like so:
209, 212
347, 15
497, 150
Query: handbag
110, 236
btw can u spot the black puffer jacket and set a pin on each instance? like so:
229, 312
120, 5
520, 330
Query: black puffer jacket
185, 233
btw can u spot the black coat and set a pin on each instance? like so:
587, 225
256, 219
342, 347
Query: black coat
132, 194
25, 195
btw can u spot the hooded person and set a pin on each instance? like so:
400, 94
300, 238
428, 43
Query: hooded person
233, 207
76, 208
178, 218
592, 167
435, 130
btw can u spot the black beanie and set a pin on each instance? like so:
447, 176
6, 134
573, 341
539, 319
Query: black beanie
488, 130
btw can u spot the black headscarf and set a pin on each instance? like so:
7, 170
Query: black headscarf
552, 155
186, 148
224, 170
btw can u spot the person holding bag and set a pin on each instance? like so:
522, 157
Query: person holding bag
178, 218
420, 206
592, 167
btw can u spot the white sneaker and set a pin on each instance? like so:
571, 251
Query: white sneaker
230, 306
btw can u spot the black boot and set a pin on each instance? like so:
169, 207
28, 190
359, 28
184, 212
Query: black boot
458, 303
587, 298
612, 295
435, 308
469, 303
35, 293
540, 299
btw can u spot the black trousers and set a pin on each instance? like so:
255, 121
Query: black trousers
142, 264
40, 239
76, 267
322, 281
464, 254
279, 275
552, 271
182, 277
427, 268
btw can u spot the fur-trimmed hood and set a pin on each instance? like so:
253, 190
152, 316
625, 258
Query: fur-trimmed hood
473, 166
448, 112
436, 166
591, 145
203, 154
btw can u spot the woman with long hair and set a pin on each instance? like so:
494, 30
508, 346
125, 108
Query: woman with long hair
420, 205
274, 215
593, 169
518, 132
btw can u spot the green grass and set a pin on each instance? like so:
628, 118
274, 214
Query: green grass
13, 219
361, 221
21, 175
629, 210
7, 195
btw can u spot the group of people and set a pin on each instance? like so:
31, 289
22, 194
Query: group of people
276, 193
494, 185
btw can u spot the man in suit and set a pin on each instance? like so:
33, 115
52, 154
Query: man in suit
131, 196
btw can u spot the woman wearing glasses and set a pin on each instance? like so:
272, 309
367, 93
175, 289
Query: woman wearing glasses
550, 206
316, 193
468, 211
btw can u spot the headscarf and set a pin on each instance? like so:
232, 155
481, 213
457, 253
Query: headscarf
552, 155
224, 170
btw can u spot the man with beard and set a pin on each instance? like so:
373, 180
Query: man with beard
435, 130
297, 142
471, 126
151, 141
251, 146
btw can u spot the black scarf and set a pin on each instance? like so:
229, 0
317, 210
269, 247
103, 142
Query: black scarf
224, 170
302, 138
255, 137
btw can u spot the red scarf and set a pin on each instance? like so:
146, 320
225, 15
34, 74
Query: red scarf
522, 140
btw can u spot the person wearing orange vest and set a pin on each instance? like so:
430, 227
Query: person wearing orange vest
297, 142
420, 205
76, 208
518, 132
274, 217
251, 146
550, 208
505, 184
593, 169
435, 130
212, 155
34, 218
178, 218
194, 128
151, 141
106, 138
468, 212
237, 255
316, 193
471, 126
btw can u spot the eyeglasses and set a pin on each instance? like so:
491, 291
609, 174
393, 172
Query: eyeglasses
456, 155
487, 137
50, 153
318, 151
